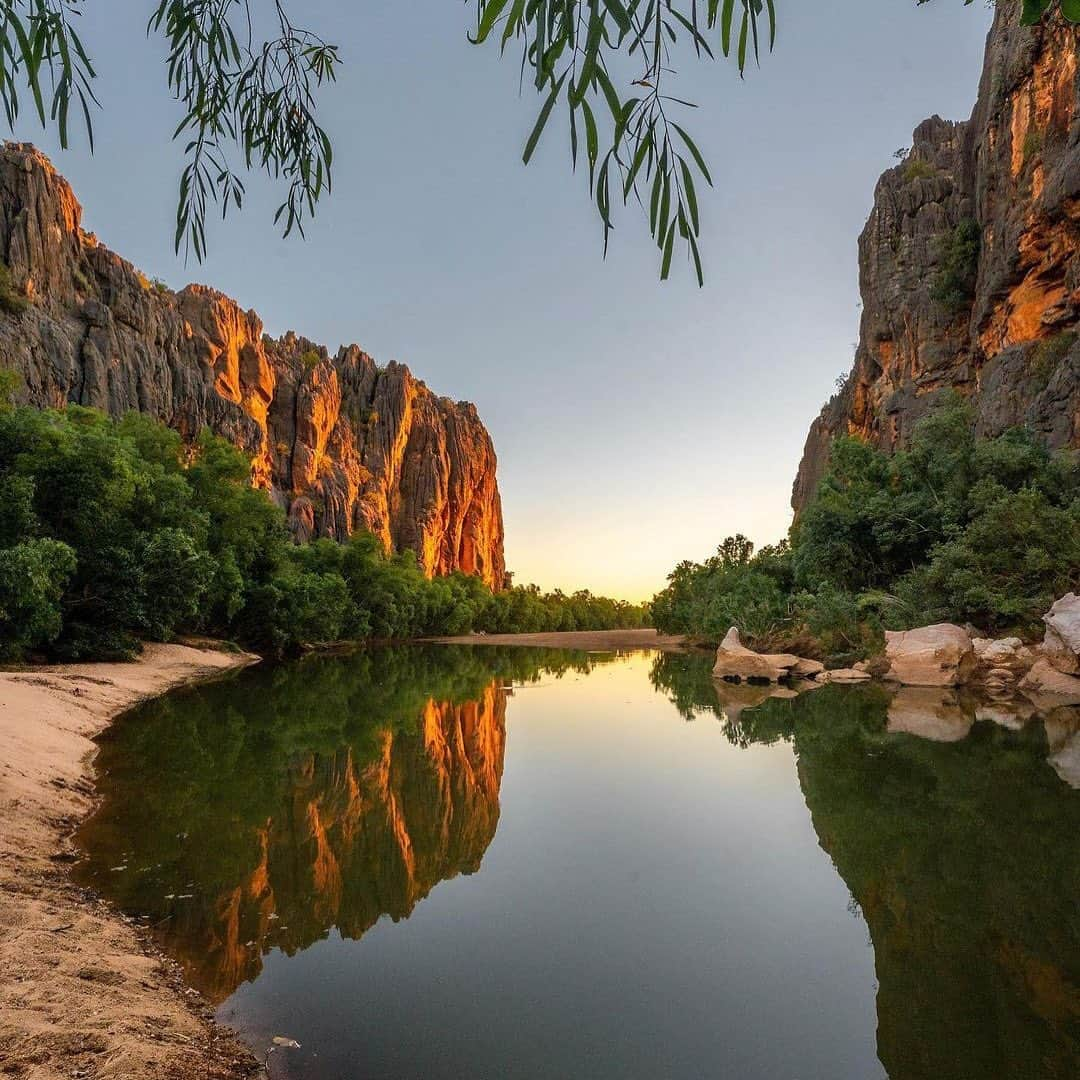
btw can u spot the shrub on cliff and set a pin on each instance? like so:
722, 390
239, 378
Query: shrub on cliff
958, 258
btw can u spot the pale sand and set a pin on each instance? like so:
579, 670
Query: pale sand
590, 640
83, 992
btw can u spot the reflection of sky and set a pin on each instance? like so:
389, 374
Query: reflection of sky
654, 903
636, 424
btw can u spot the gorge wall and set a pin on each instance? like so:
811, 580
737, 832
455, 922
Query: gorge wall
339, 442
968, 264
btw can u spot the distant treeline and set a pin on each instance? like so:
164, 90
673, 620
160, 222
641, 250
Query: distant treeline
116, 532
953, 528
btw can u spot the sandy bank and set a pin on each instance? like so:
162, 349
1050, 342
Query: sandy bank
592, 640
82, 991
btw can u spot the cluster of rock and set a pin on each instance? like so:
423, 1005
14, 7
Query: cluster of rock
939, 655
1009, 339
736, 663
339, 442
945, 681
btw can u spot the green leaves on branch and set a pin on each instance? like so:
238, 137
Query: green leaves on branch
608, 63
258, 100
241, 95
40, 49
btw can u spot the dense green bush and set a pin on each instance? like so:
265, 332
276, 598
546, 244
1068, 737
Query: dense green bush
954, 528
115, 532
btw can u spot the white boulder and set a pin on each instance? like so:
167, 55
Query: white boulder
940, 655
1061, 645
735, 661
807, 669
844, 675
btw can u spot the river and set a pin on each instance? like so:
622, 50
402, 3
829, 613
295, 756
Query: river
447, 862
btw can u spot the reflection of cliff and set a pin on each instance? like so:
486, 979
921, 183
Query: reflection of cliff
963, 857
261, 813
352, 841
965, 862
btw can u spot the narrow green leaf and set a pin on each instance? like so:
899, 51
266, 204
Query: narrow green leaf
542, 119
691, 194
695, 152
669, 246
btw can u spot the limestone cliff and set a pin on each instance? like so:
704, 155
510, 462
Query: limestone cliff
340, 443
997, 322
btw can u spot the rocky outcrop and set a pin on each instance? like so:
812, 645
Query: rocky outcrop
339, 442
844, 675
734, 661
968, 264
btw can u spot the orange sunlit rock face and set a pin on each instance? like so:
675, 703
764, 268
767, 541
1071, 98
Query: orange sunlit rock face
341, 443
353, 842
1006, 336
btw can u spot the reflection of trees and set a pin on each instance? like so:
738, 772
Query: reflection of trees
964, 860
263, 811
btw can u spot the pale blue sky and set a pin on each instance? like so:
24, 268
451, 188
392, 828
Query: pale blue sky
636, 423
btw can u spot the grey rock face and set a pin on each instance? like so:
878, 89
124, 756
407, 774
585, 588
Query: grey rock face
1009, 343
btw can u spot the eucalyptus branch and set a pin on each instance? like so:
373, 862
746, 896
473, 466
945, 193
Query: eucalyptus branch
640, 150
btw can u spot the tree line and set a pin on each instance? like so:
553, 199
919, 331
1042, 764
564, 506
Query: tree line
116, 532
954, 528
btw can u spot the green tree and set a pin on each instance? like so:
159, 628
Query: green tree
33, 576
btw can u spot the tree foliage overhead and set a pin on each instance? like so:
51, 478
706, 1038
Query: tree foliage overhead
247, 79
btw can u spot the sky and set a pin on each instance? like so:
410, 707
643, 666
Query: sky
636, 423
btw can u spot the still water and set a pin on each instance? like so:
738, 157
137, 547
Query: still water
452, 862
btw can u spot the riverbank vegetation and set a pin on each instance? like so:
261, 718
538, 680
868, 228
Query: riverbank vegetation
116, 532
953, 528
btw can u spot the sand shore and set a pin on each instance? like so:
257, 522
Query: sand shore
83, 992
591, 640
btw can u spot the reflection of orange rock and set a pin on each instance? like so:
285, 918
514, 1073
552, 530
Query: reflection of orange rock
1063, 740
1011, 713
930, 713
736, 697
1066, 761
352, 843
